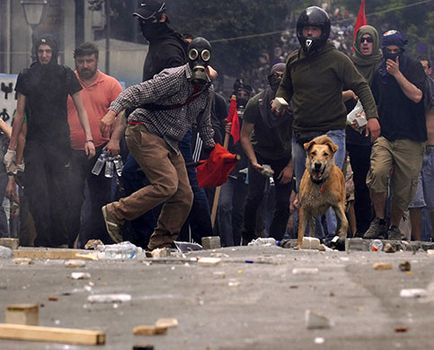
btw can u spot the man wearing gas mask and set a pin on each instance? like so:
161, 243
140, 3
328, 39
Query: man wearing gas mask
314, 78
266, 139
397, 87
165, 108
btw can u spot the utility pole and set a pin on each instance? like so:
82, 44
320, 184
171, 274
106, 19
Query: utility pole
107, 36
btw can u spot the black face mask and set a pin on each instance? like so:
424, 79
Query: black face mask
199, 55
274, 81
391, 55
151, 30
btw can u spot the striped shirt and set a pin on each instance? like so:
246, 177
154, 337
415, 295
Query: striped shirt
170, 87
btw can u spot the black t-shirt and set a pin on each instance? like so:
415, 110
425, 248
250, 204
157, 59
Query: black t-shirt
270, 142
400, 118
46, 88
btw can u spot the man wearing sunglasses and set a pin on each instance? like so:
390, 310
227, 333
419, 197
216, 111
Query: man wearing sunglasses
397, 87
367, 57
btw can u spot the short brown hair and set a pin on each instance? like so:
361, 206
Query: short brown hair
86, 49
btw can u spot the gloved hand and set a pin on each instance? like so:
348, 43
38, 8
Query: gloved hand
9, 158
21, 167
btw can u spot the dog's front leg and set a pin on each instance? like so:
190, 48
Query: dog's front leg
302, 223
340, 214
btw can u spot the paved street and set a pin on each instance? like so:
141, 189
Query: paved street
236, 304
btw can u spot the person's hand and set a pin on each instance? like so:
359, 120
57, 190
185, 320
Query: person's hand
257, 166
278, 109
392, 66
228, 127
89, 149
113, 147
373, 128
11, 190
106, 123
9, 158
285, 175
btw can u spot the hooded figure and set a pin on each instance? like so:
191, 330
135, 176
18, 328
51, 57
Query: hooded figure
367, 64
393, 38
167, 48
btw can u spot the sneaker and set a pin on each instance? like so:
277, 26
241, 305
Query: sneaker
112, 226
376, 230
394, 234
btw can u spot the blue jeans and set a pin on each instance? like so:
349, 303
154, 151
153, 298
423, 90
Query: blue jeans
299, 161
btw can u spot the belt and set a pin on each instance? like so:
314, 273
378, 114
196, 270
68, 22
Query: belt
135, 123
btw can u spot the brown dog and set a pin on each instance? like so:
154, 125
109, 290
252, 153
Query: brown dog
322, 186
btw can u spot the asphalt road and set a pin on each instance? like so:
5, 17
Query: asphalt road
236, 304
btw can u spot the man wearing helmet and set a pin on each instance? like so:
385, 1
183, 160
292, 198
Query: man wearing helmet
314, 78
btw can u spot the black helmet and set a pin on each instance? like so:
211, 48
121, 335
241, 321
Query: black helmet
316, 17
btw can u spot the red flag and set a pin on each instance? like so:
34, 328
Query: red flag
214, 171
233, 118
361, 18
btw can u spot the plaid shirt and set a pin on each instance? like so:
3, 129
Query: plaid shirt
170, 87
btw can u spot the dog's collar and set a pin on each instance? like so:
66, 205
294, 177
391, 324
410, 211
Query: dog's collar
320, 183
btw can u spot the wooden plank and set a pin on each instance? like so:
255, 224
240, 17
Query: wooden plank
50, 334
149, 330
48, 253
12, 243
27, 314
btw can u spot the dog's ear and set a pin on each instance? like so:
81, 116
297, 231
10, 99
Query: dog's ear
308, 145
333, 147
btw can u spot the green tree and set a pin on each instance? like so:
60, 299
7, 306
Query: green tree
222, 19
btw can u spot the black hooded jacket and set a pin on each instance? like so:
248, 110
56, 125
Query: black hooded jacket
167, 49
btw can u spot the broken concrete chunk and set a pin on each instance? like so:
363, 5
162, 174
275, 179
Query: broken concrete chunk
75, 263
305, 270
11, 243
381, 266
316, 321
311, 243
208, 261
405, 266
211, 242
22, 261
413, 293
167, 322
109, 298
92, 244
149, 330
389, 248
160, 253
80, 275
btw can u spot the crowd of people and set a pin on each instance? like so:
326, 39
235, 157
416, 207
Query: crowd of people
69, 125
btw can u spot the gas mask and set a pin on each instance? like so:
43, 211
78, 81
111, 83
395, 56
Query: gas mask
199, 55
276, 75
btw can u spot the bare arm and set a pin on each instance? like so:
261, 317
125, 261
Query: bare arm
89, 147
113, 146
5, 128
246, 131
18, 121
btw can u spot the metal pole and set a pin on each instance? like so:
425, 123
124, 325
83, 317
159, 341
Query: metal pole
107, 36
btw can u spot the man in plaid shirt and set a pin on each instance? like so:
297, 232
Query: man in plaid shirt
167, 106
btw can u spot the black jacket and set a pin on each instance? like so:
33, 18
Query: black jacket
166, 50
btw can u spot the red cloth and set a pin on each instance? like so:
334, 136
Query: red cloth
361, 19
233, 118
214, 171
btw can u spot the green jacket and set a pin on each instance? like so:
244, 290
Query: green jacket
314, 85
